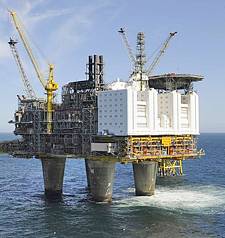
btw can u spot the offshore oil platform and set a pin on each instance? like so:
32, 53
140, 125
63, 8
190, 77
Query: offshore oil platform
149, 121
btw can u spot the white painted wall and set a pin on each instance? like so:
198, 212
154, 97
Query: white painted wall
112, 112
131, 112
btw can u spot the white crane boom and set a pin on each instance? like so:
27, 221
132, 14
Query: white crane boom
127, 45
161, 52
27, 86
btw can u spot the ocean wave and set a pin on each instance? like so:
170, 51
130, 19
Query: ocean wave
200, 199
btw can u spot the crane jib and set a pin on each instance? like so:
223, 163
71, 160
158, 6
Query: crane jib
50, 85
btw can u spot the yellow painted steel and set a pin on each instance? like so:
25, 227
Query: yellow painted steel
50, 88
169, 151
50, 85
19, 28
170, 168
181, 167
166, 141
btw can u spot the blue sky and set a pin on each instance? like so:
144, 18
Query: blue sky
68, 31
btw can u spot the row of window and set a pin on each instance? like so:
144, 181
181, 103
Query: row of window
110, 123
106, 111
110, 105
110, 116
110, 94
111, 99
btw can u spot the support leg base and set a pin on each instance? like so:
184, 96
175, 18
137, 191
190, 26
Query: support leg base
145, 178
101, 176
53, 174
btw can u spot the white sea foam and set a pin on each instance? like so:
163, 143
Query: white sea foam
207, 199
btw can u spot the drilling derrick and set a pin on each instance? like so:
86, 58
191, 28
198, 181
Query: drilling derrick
140, 56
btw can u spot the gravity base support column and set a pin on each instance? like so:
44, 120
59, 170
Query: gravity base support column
53, 173
101, 177
87, 173
145, 178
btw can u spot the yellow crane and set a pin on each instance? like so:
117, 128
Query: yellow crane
49, 85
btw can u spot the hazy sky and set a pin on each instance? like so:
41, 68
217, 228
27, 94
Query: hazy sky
68, 31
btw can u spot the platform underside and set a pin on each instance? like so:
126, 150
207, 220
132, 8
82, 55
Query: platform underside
173, 81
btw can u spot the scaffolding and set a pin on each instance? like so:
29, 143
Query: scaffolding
74, 120
169, 151
30, 122
170, 167
162, 147
76, 117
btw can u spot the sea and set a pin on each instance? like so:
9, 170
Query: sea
192, 205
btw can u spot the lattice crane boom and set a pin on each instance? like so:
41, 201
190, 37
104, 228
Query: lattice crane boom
27, 86
19, 28
161, 52
128, 47
49, 85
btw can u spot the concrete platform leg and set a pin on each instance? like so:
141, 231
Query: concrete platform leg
101, 176
87, 173
145, 178
53, 173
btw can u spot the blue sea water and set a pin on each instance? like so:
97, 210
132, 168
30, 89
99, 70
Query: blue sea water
189, 206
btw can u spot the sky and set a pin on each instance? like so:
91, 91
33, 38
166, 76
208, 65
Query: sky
66, 32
